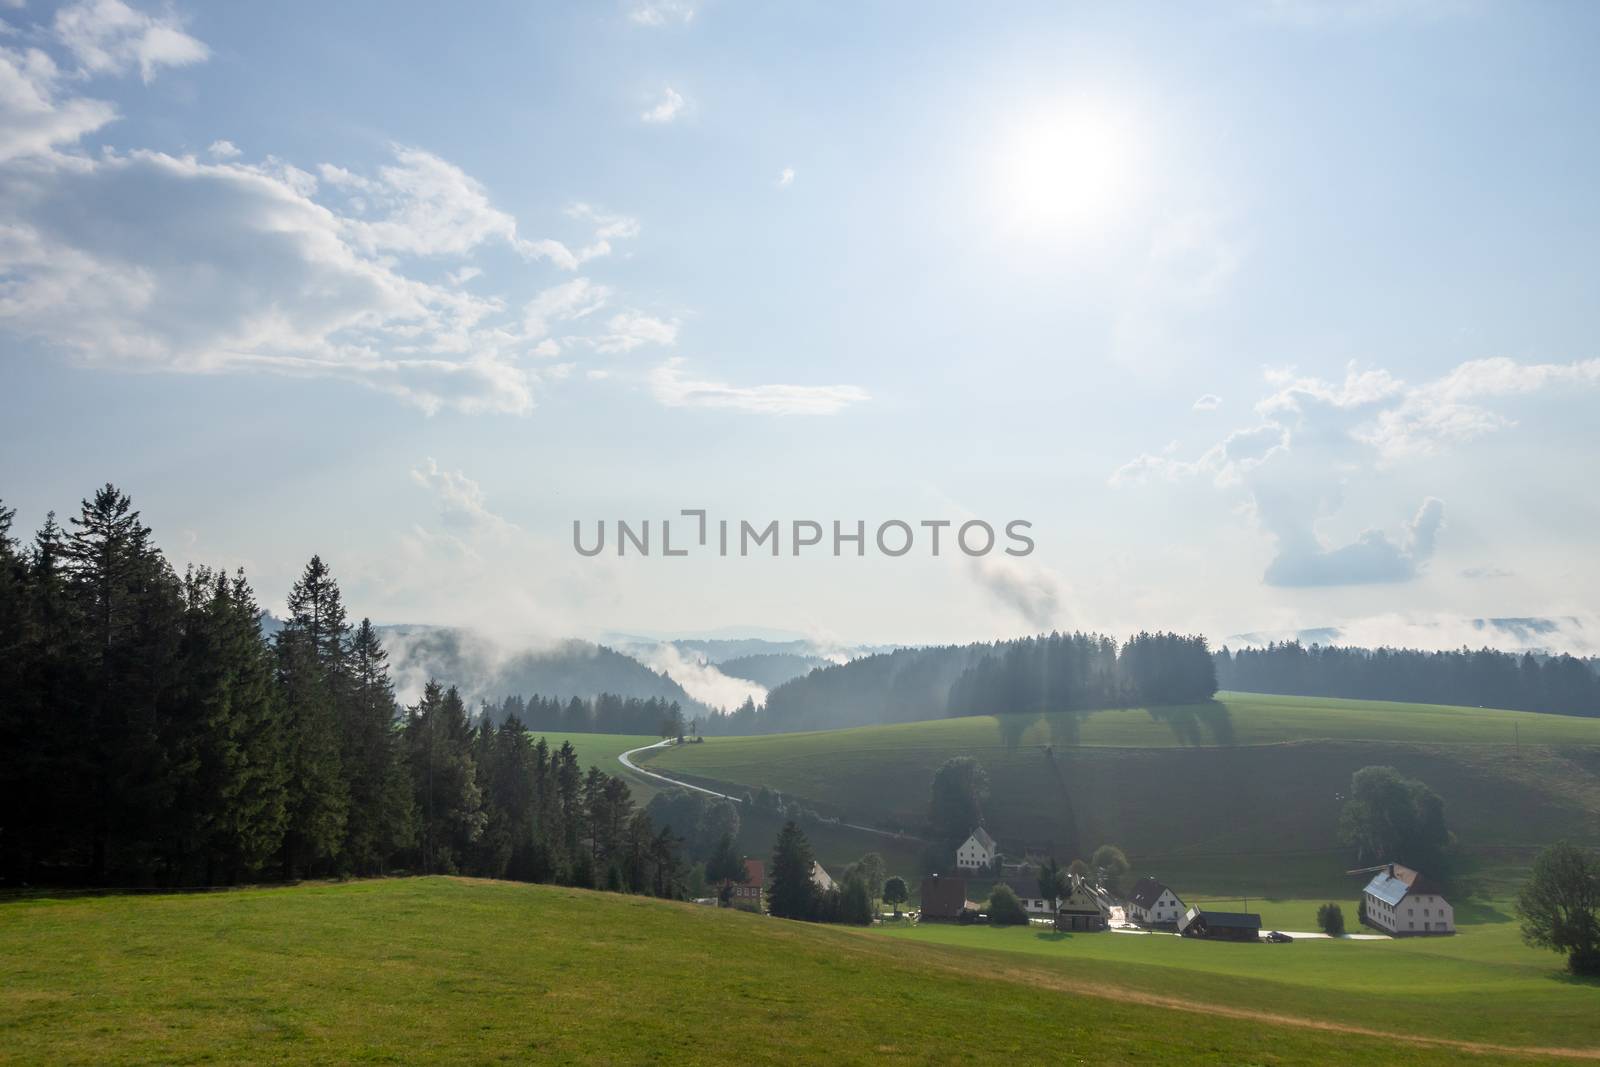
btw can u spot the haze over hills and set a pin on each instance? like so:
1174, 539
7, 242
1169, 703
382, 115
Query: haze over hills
486, 670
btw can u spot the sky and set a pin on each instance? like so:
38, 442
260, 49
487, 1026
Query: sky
1266, 315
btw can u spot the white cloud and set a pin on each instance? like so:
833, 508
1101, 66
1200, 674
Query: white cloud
109, 37
34, 118
786, 178
461, 500
1316, 433
226, 266
1208, 402
661, 12
563, 303
699, 678
224, 150
668, 108
671, 389
628, 330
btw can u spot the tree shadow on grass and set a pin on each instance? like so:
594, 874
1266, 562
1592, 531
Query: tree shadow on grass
1054, 935
1194, 725
1480, 912
1566, 977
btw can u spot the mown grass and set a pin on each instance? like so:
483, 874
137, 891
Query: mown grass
1482, 984
1238, 796
436, 969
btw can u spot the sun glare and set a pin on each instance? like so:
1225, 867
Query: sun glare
1069, 166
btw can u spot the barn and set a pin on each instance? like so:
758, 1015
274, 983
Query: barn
1221, 925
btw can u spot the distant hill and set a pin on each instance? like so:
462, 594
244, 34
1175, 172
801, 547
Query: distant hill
1240, 794
485, 670
771, 670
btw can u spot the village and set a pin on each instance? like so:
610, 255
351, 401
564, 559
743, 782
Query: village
1396, 901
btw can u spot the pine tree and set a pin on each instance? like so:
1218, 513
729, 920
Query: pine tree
380, 815
444, 776
129, 603
793, 893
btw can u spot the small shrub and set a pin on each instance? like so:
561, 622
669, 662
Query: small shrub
1330, 917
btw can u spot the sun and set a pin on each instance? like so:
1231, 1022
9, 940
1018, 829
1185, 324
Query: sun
1069, 165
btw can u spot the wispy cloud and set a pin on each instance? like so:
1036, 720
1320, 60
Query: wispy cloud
672, 389
1208, 402
666, 109
785, 177
662, 12
109, 37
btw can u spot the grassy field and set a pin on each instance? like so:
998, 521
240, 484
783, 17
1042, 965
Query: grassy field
439, 969
1238, 796
1483, 984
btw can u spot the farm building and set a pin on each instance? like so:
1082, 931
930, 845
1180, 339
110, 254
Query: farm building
820, 877
748, 894
1403, 902
1153, 904
1221, 925
943, 898
977, 852
1081, 908
1027, 891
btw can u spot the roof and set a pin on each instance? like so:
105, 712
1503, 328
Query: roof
1396, 881
981, 836
1247, 920
820, 876
755, 872
1024, 888
943, 898
1145, 893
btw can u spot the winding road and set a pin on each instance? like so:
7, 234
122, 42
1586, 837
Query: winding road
626, 760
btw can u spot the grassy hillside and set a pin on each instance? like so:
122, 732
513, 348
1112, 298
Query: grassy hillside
1241, 795
436, 969
1482, 984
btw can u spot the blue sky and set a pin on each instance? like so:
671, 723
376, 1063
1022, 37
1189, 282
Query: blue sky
1267, 315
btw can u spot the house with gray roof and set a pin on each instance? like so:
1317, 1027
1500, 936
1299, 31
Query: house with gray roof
1404, 903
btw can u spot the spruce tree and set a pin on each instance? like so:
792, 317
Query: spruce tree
793, 893
379, 825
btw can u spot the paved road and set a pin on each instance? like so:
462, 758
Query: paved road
626, 760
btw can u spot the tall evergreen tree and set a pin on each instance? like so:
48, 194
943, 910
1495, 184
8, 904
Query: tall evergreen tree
793, 893
379, 824
449, 803
128, 604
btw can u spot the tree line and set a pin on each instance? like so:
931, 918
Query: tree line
1053, 672
154, 736
606, 713
1483, 677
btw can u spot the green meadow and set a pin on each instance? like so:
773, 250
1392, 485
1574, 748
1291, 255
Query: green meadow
1482, 984
436, 969
1237, 796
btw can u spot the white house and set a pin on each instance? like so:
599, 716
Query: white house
1027, 890
1403, 902
820, 877
977, 852
1083, 908
1153, 904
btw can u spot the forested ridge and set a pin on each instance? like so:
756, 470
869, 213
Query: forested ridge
1054, 672
152, 735
1484, 677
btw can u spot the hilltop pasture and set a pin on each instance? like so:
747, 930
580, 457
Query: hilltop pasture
1240, 795
436, 969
